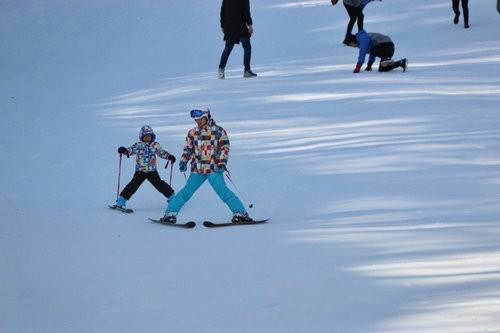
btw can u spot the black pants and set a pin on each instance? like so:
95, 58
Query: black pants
355, 13
247, 48
384, 51
153, 177
465, 8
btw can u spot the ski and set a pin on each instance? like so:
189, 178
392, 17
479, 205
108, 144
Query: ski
210, 224
121, 209
187, 225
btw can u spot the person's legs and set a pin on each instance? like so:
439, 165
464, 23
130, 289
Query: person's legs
454, 5
247, 49
361, 18
384, 51
159, 184
134, 184
216, 179
353, 15
465, 9
389, 65
176, 202
225, 54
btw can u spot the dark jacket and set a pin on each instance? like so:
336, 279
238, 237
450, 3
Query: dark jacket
234, 18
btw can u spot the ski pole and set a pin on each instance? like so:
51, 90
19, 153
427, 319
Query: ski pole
119, 176
228, 175
171, 172
166, 165
171, 169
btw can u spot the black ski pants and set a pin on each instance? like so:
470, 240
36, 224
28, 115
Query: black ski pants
355, 13
465, 9
247, 49
153, 177
384, 51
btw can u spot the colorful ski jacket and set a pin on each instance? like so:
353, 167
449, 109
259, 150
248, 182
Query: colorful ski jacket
146, 152
206, 148
367, 41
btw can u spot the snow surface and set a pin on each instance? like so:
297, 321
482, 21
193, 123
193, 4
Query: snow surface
383, 188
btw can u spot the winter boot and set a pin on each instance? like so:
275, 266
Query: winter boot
169, 218
455, 20
222, 75
404, 64
249, 73
389, 65
121, 202
241, 218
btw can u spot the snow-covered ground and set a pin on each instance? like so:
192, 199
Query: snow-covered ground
383, 189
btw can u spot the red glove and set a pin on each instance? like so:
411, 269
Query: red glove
357, 69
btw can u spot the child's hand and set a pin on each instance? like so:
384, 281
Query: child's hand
123, 150
182, 166
171, 158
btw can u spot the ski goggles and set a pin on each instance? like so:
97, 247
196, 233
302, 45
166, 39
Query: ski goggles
197, 113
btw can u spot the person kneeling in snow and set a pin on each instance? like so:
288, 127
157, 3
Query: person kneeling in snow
207, 148
145, 166
377, 45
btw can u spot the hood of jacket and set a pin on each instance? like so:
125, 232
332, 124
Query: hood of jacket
147, 130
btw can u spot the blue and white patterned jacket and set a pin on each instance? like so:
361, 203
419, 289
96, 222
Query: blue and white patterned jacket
146, 152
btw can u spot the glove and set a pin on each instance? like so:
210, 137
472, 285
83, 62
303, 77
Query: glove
123, 150
171, 158
182, 166
221, 168
357, 69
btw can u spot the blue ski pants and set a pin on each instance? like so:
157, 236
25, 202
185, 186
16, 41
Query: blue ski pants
195, 180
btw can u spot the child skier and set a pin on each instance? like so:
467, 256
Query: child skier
377, 45
145, 165
207, 148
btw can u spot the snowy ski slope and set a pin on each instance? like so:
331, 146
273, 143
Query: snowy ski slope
383, 188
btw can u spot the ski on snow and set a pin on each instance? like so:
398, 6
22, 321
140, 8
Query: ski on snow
210, 224
121, 209
187, 225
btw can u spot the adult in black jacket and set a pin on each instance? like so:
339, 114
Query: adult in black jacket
237, 26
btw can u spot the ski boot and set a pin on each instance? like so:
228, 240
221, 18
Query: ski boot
169, 218
121, 202
249, 73
404, 64
221, 74
241, 218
